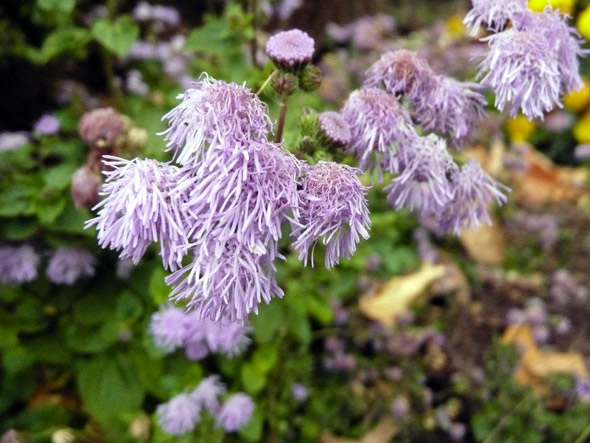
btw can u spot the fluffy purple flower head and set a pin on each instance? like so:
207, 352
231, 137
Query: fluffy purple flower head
300, 392
473, 189
334, 128
372, 32
422, 184
85, 187
214, 113
226, 279
583, 390
169, 328
228, 338
523, 71
207, 393
493, 14
179, 415
290, 50
18, 264
67, 265
47, 125
378, 124
450, 107
138, 210
334, 210
101, 127
400, 72
235, 412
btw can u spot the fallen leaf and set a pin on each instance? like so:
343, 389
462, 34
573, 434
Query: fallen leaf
485, 244
396, 295
382, 433
536, 365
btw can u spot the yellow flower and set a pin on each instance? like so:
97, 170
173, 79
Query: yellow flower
582, 129
565, 6
455, 25
519, 129
584, 23
580, 99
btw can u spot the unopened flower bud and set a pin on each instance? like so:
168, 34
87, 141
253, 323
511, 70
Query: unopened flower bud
101, 127
290, 50
85, 187
310, 78
136, 138
284, 83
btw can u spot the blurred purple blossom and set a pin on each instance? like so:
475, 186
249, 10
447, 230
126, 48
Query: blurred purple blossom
134, 83
18, 264
207, 393
169, 329
299, 392
179, 415
400, 407
235, 412
10, 141
583, 390
85, 187
68, 265
47, 125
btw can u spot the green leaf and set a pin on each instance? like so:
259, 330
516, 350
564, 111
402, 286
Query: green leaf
253, 379
59, 6
252, 431
117, 36
265, 358
157, 286
64, 40
59, 177
129, 307
213, 38
109, 387
268, 322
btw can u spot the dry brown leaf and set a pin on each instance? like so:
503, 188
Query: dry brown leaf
396, 295
382, 433
536, 365
485, 244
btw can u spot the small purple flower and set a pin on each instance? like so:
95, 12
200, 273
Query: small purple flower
457, 431
214, 113
334, 210
85, 187
378, 125
334, 128
207, 393
47, 125
372, 32
235, 412
169, 328
583, 390
67, 265
290, 50
138, 210
582, 152
165, 14
18, 264
135, 84
493, 14
196, 350
228, 338
400, 407
473, 189
179, 415
422, 184
299, 392
9, 141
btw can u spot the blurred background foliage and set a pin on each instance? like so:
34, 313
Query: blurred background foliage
78, 362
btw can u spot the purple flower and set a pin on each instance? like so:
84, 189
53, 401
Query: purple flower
67, 265
165, 14
523, 72
457, 431
334, 210
582, 152
583, 390
18, 264
378, 124
422, 183
135, 84
9, 141
473, 189
372, 32
101, 127
138, 210
401, 72
493, 14
235, 412
299, 392
179, 415
207, 393
228, 338
47, 125
290, 50
400, 407
214, 113
169, 328
334, 128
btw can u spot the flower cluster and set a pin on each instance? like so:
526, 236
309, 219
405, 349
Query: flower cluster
18, 264
172, 328
531, 64
225, 205
182, 413
427, 179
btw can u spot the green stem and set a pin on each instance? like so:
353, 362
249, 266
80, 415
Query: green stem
282, 116
266, 82
504, 419
254, 39
109, 73
584, 435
